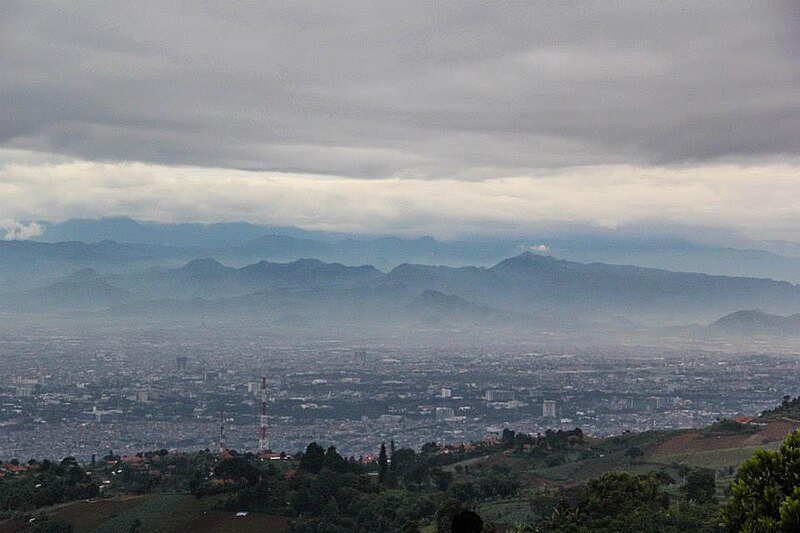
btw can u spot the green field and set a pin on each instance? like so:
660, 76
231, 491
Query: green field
716, 459
163, 513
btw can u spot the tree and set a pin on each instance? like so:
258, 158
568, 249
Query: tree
429, 448
766, 491
313, 458
383, 464
467, 522
403, 461
445, 514
334, 461
618, 493
634, 452
507, 439
238, 469
700, 486
391, 475
331, 510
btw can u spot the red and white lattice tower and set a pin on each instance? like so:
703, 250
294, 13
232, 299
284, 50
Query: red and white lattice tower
221, 431
263, 440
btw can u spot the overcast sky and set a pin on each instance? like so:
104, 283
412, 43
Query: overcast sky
449, 118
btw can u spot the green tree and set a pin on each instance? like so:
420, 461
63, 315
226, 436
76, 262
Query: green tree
618, 493
700, 486
334, 461
383, 464
445, 514
507, 439
766, 491
312, 460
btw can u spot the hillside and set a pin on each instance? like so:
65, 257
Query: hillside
82, 290
513, 478
754, 322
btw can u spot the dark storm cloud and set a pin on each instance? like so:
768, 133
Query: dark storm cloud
376, 89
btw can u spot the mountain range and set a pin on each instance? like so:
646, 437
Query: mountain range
524, 289
242, 243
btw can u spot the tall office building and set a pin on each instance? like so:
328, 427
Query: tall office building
549, 409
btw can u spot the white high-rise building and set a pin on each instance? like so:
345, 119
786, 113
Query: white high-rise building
549, 409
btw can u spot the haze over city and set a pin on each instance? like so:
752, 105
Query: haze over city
399, 266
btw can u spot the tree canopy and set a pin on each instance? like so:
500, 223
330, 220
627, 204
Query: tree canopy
766, 492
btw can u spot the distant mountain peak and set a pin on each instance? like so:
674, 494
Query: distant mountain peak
434, 306
530, 257
84, 275
755, 321
204, 267
526, 260
433, 296
310, 262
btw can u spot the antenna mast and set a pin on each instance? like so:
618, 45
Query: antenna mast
263, 441
221, 431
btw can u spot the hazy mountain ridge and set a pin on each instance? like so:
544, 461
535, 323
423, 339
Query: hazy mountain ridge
755, 322
209, 278
28, 264
530, 282
180, 234
80, 291
243, 243
523, 288
432, 307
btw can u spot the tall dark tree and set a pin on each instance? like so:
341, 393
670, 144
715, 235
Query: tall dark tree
334, 462
383, 464
467, 522
313, 458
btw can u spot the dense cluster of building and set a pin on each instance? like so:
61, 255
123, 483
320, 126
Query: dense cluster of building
84, 393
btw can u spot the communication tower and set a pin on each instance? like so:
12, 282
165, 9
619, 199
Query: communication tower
263, 440
221, 431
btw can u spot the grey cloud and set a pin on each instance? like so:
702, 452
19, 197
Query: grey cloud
408, 89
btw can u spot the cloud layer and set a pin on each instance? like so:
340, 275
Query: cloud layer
407, 117
401, 89
760, 201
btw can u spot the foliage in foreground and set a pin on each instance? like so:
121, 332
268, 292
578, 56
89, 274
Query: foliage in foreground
619, 502
766, 492
409, 491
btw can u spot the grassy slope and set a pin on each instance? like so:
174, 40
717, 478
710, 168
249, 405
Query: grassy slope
722, 451
163, 513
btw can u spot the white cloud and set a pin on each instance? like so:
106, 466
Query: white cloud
18, 231
759, 201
